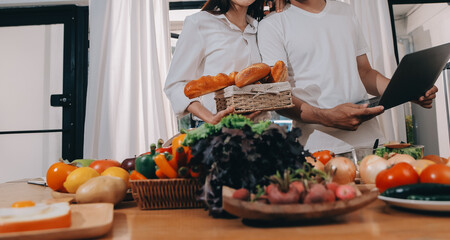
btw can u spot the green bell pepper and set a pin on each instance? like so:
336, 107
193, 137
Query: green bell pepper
145, 164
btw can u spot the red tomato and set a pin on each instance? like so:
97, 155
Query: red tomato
102, 165
400, 174
435, 173
323, 156
57, 174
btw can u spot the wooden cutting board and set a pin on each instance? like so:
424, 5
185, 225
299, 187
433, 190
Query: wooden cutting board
88, 221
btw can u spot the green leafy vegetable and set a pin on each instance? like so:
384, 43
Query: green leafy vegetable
241, 158
232, 121
413, 151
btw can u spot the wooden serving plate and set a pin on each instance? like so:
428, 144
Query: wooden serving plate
397, 145
88, 221
293, 212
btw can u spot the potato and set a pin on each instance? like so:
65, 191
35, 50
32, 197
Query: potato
106, 189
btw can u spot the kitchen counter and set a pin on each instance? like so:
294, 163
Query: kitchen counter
375, 221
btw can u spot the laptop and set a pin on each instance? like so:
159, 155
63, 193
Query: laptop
416, 73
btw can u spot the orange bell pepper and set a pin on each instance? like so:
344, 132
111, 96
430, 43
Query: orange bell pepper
164, 166
176, 142
195, 171
135, 175
160, 174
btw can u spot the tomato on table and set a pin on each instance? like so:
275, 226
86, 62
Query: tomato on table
57, 174
400, 174
103, 164
436, 173
323, 156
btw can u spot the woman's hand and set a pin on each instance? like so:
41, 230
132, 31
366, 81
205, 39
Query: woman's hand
253, 115
215, 119
426, 101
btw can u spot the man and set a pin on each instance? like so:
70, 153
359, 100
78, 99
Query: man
325, 51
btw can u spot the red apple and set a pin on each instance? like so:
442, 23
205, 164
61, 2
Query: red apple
129, 164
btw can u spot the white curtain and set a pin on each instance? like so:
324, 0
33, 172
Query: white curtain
375, 22
129, 58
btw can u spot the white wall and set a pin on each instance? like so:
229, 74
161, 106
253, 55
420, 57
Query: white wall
428, 25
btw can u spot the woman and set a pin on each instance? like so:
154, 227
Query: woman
219, 39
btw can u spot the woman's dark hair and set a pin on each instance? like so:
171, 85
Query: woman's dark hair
255, 10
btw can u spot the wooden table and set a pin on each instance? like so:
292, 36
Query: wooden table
376, 221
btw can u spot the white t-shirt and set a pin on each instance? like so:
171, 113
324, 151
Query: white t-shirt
320, 51
208, 44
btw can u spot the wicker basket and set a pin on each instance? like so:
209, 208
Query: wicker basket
166, 193
255, 97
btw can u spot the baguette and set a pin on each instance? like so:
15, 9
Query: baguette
252, 74
207, 84
279, 72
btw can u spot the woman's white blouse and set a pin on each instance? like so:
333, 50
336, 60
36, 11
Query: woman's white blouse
208, 44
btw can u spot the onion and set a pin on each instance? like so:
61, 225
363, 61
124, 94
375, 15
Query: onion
315, 163
370, 166
344, 167
400, 158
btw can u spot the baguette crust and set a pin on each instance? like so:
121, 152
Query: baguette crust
252, 74
207, 84
279, 72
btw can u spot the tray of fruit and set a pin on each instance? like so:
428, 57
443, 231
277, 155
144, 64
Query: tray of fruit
288, 199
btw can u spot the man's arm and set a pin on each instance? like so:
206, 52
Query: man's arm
347, 116
375, 83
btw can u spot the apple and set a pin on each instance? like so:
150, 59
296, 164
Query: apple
129, 164
83, 162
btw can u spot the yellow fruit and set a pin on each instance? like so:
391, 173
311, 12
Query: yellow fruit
118, 172
421, 164
79, 176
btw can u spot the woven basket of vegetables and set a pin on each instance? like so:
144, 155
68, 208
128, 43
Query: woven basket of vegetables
166, 193
164, 178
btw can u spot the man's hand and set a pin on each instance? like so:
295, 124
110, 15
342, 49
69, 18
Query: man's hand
348, 116
426, 101
279, 5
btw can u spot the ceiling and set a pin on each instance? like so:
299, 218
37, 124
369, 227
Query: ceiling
400, 10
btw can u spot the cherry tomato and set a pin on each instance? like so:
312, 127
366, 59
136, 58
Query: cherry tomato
436, 173
57, 174
323, 156
102, 165
400, 174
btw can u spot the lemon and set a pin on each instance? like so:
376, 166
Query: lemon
79, 176
118, 172
421, 164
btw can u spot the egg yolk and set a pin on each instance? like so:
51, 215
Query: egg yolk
22, 204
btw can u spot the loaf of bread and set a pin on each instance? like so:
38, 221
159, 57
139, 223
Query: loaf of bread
252, 74
279, 72
38, 217
233, 76
207, 84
